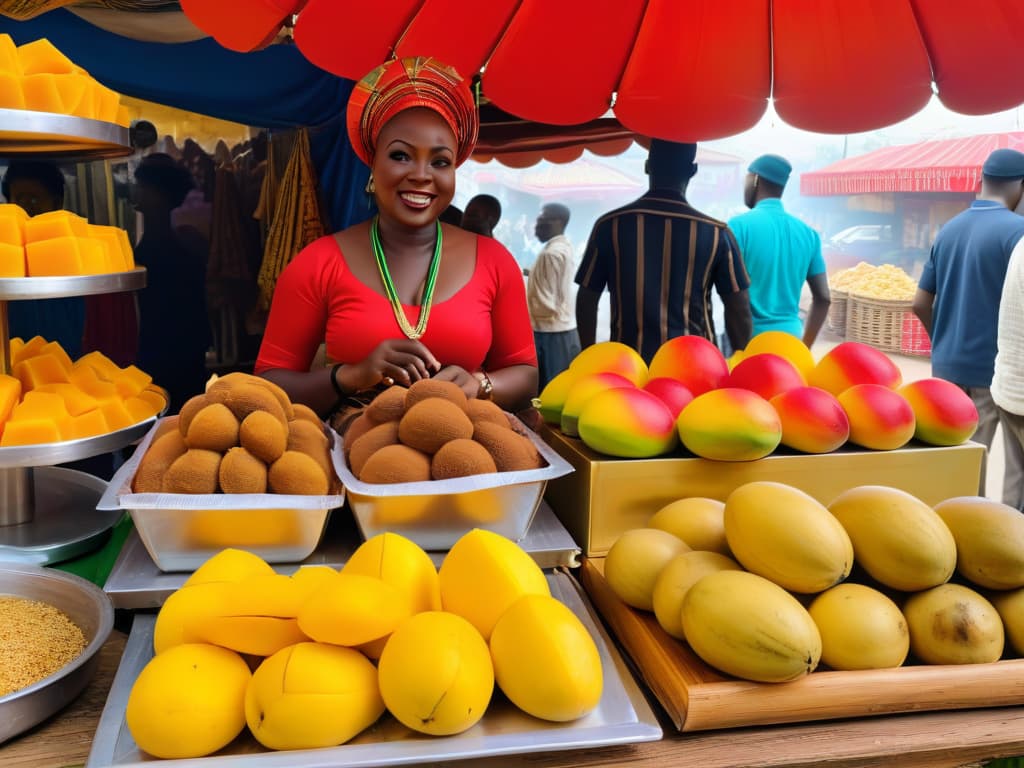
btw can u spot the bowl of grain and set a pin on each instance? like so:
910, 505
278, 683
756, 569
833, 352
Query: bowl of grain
52, 625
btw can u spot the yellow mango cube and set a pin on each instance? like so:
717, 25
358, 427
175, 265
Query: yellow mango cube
41, 56
40, 405
72, 89
154, 398
75, 400
115, 413
107, 369
54, 257
93, 256
10, 394
26, 349
41, 93
112, 246
139, 409
87, 104
131, 381
54, 348
88, 424
12, 260
107, 102
53, 224
12, 96
30, 432
38, 370
126, 248
9, 61
12, 225
85, 377
124, 116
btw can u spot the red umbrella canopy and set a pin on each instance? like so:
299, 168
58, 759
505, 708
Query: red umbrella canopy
684, 70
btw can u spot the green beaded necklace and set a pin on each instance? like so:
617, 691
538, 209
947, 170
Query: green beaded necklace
389, 286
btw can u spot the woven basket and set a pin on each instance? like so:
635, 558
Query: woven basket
878, 322
914, 339
837, 312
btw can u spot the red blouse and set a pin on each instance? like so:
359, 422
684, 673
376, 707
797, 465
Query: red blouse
485, 325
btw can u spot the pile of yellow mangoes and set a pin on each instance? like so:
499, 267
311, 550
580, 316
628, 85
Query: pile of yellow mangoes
59, 243
47, 398
39, 77
884, 281
732, 579
334, 650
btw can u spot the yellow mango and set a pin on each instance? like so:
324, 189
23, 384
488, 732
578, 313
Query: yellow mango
54, 348
483, 574
93, 256
105, 367
41, 56
86, 107
112, 246
72, 88
124, 116
545, 660
312, 695
229, 565
352, 609
12, 225
107, 102
26, 349
154, 398
30, 432
435, 674
131, 381
258, 635
88, 424
139, 409
127, 253
12, 258
41, 93
188, 702
401, 563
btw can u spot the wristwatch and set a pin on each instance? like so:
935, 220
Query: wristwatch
486, 390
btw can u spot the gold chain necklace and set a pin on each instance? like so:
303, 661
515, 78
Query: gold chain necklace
389, 286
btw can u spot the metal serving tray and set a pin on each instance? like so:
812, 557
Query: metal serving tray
18, 288
136, 582
622, 717
26, 132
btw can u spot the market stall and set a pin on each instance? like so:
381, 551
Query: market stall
544, 515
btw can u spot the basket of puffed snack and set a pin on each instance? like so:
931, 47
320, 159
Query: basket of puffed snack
239, 466
430, 464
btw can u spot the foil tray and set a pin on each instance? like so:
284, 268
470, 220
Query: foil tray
622, 717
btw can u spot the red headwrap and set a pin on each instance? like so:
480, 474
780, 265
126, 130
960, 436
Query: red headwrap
411, 82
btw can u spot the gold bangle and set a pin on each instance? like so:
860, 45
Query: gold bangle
486, 391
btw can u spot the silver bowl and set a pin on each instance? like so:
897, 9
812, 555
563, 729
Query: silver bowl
85, 604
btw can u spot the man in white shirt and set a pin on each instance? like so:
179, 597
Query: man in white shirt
549, 295
1008, 379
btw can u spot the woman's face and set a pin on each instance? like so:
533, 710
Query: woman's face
414, 167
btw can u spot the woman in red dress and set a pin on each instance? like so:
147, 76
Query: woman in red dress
403, 297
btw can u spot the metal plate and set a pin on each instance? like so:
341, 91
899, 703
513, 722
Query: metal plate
25, 132
622, 717
85, 605
65, 521
136, 582
17, 288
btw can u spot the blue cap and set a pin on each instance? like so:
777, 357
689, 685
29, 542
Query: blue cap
772, 168
1004, 164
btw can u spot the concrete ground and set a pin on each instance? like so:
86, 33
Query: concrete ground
914, 368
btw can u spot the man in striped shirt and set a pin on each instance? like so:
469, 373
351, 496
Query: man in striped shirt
659, 258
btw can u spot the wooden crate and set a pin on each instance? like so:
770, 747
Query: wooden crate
878, 322
699, 698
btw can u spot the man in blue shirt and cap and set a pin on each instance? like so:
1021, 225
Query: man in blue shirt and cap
959, 293
781, 254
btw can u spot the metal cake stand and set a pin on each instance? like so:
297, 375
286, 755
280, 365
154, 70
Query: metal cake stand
24, 132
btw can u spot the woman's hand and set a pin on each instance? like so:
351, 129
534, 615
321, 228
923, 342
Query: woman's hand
469, 383
403, 361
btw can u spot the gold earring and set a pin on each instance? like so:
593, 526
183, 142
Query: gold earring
370, 186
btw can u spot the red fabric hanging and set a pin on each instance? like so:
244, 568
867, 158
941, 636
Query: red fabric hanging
241, 25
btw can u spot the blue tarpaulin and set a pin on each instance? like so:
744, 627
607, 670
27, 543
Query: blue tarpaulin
276, 88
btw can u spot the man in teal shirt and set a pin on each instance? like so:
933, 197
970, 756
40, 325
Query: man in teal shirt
781, 254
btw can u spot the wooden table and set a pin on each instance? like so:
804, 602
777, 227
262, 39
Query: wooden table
933, 740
